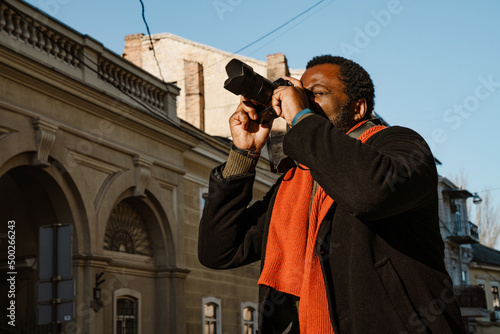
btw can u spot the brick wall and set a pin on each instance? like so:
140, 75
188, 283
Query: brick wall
215, 102
277, 66
194, 91
133, 49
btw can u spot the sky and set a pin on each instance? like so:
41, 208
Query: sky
435, 64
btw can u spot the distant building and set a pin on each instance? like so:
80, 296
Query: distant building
460, 237
485, 273
199, 71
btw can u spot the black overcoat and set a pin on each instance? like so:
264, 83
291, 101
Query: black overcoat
380, 247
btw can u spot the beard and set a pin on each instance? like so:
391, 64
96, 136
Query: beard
344, 121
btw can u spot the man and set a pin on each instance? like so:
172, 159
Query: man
349, 238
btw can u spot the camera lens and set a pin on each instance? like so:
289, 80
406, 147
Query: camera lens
242, 80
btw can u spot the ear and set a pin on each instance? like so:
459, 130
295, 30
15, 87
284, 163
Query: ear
360, 109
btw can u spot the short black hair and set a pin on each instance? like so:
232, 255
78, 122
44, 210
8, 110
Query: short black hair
357, 81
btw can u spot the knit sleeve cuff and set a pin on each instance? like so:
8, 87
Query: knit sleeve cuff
301, 115
238, 164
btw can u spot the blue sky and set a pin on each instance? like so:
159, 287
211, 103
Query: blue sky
435, 64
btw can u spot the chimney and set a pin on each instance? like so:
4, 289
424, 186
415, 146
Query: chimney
133, 49
277, 66
194, 91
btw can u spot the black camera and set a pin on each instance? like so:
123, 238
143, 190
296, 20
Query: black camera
242, 80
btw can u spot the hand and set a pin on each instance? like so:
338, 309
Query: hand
288, 101
247, 133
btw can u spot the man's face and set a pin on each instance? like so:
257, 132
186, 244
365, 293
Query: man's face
328, 97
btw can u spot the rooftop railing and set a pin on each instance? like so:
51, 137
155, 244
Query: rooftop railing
33, 34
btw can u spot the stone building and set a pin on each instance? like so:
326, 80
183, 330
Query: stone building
199, 71
457, 231
485, 273
461, 237
103, 184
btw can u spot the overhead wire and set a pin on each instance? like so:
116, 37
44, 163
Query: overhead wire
150, 39
281, 26
485, 190
249, 44
292, 27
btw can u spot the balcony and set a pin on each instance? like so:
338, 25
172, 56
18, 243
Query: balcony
37, 37
464, 233
495, 315
472, 301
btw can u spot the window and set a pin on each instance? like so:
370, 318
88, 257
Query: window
211, 316
126, 316
496, 298
465, 276
482, 284
126, 231
203, 199
249, 318
458, 220
126, 311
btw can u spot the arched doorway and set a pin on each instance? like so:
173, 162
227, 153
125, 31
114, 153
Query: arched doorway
29, 198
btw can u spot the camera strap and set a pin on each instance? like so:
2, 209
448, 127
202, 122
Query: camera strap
357, 132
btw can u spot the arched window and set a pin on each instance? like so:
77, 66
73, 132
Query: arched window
126, 311
249, 318
126, 231
211, 316
126, 315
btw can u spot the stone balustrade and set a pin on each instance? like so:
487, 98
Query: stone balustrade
130, 84
42, 38
36, 35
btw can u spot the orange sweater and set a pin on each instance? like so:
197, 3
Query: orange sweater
291, 264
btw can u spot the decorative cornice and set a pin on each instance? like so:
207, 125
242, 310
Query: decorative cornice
97, 164
171, 272
45, 136
142, 174
174, 168
487, 267
93, 260
201, 181
166, 185
4, 132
